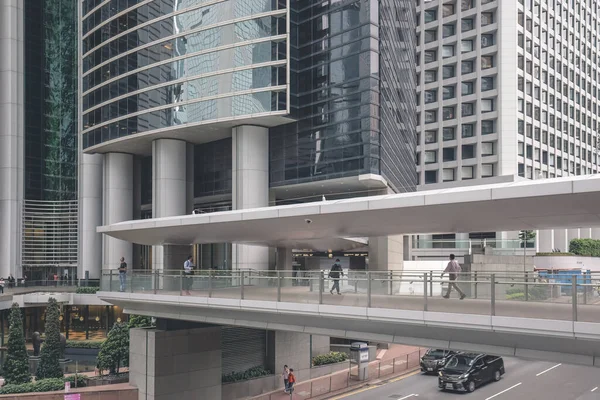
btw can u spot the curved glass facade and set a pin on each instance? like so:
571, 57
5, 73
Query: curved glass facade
167, 63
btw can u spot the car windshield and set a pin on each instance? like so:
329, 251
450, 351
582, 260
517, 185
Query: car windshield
436, 353
460, 363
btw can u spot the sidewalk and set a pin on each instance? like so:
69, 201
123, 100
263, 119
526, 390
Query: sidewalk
396, 361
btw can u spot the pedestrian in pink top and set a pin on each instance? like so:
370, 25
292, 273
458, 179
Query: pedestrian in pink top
453, 269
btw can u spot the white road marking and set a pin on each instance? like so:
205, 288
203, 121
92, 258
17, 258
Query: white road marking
594, 389
409, 396
549, 369
504, 391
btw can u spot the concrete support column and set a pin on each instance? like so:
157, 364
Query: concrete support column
295, 349
118, 205
545, 241
250, 187
170, 195
560, 240
284, 259
386, 253
90, 214
596, 233
176, 364
12, 153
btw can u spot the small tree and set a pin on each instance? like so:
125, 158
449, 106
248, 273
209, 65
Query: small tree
16, 366
526, 237
139, 321
49, 363
114, 352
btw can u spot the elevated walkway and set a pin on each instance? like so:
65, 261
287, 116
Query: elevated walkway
516, 315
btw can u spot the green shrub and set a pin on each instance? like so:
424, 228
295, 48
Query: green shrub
251, 373
558, 254
16, 365
84, 344
87, 290
585, 247
42, 385
114, 352
536, 293
81, 380
330, 358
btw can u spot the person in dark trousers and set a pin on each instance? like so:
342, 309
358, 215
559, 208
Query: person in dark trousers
453, 269
122, 274
285, 375
188, 266
334, 273
291, 381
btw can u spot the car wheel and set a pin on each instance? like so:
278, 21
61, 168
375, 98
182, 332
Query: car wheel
497, 376
471, 386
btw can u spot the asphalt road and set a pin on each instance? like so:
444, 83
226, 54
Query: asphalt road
531, 380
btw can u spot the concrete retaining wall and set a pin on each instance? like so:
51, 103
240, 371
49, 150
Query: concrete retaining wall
120, 393
258, 386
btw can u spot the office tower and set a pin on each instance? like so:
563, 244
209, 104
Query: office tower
188, 105
38, 137
507, 88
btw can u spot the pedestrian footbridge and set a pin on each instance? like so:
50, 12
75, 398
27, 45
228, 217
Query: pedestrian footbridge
519, 314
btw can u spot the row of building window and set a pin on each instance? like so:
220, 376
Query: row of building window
449, 174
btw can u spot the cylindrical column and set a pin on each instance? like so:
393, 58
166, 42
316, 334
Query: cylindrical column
11, 136
571, 234
560, 240
250, 187
169, 195
545, 241
90, 211
596, 233
118, 205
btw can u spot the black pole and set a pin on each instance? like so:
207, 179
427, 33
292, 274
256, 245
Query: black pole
68, 321
87, 322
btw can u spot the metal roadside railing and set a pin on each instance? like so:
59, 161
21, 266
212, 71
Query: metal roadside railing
490, 291
45, 285
339, 381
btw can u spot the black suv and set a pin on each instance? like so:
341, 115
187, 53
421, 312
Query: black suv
435, 359
467, 371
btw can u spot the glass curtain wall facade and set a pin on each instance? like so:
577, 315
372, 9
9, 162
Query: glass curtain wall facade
50, 207
348, 59
171, 63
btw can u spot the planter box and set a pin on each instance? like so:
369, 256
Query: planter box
265, 384
107, 380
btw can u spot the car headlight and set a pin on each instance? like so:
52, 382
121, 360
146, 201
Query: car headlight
464, 376
440, 373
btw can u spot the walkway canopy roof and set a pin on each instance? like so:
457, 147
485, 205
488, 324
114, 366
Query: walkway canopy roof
571, 202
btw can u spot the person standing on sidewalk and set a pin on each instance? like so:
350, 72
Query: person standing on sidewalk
453, 269
334, 273
285, 375
122, 274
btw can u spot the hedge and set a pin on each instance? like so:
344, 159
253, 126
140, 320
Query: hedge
585, 247
87, 290
251, 373
43, 385
558, 254
330, 358
535, 293
87, 344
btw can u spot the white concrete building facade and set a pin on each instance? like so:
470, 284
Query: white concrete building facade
508, 88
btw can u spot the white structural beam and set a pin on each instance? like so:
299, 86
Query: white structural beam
545, 204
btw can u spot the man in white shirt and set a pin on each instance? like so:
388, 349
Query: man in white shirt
453, 269
188, 266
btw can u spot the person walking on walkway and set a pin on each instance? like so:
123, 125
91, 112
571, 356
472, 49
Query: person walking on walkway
188, 266
291, 381
334, 273
453, 269
285, 375
122, 274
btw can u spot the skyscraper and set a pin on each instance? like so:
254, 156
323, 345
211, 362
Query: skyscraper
238, 104
39, 138
508, 87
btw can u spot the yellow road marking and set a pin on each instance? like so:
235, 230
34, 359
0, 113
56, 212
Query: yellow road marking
343, 396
